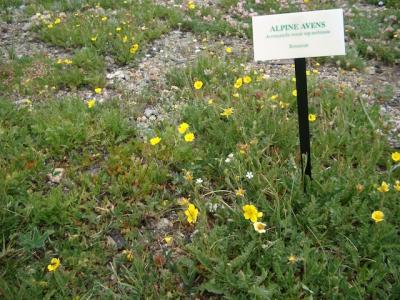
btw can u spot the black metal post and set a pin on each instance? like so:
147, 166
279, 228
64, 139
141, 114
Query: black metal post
302, 109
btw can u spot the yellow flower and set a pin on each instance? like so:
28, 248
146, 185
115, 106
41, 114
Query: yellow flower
155, 140
104, 18
397, 185
57, 21
134, 48
259, 227
377, 216
383, 188
91, 103
94, 38
292, 259
188, 176
274, 97
118, 29
228, 50
396, 156
240, 192
183, 201
67, 61
183, 127
251, 212
283, 105
294, 93
98, 90
238, 83
246, 79
227, 112
308, 72
125, 39
243, 148
54, 264
128, 254
168, 240
50, 26
59, 61
189, 137
306, 1
191, 5
294, 79
198, 84
315, 71
359, 187
236, 95
191, 214
210, 101
312, 117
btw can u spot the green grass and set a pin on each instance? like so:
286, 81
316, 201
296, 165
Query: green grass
116, 34
118, 189
111, 35
4, 4
114, 181
40, 77
372, 38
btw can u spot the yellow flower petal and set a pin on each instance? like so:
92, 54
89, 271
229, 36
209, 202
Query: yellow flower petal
396, 156
198, 84
378, 216
155, 140
189, 137
183, 127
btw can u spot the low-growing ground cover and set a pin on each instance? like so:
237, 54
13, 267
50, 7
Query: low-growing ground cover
207, 204
234, 148
42, 76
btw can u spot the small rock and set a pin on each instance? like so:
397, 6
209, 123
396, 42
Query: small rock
378, 69
154, 73
381, 3
393, 18
150, 112
370, 70
389, 29
119, 74
152, 118
56, 175
28, 26
164, 224
116, 239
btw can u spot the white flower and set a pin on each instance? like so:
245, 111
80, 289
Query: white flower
249, 175
229, 158
259, 227
199, 181
212, 207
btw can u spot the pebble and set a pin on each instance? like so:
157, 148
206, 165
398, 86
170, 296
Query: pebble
118, 74
56, 175
116, 239
148, 112
180, 48
164, 224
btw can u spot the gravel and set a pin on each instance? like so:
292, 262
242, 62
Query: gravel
177, 49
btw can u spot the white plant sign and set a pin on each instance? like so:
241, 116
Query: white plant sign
298, 35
